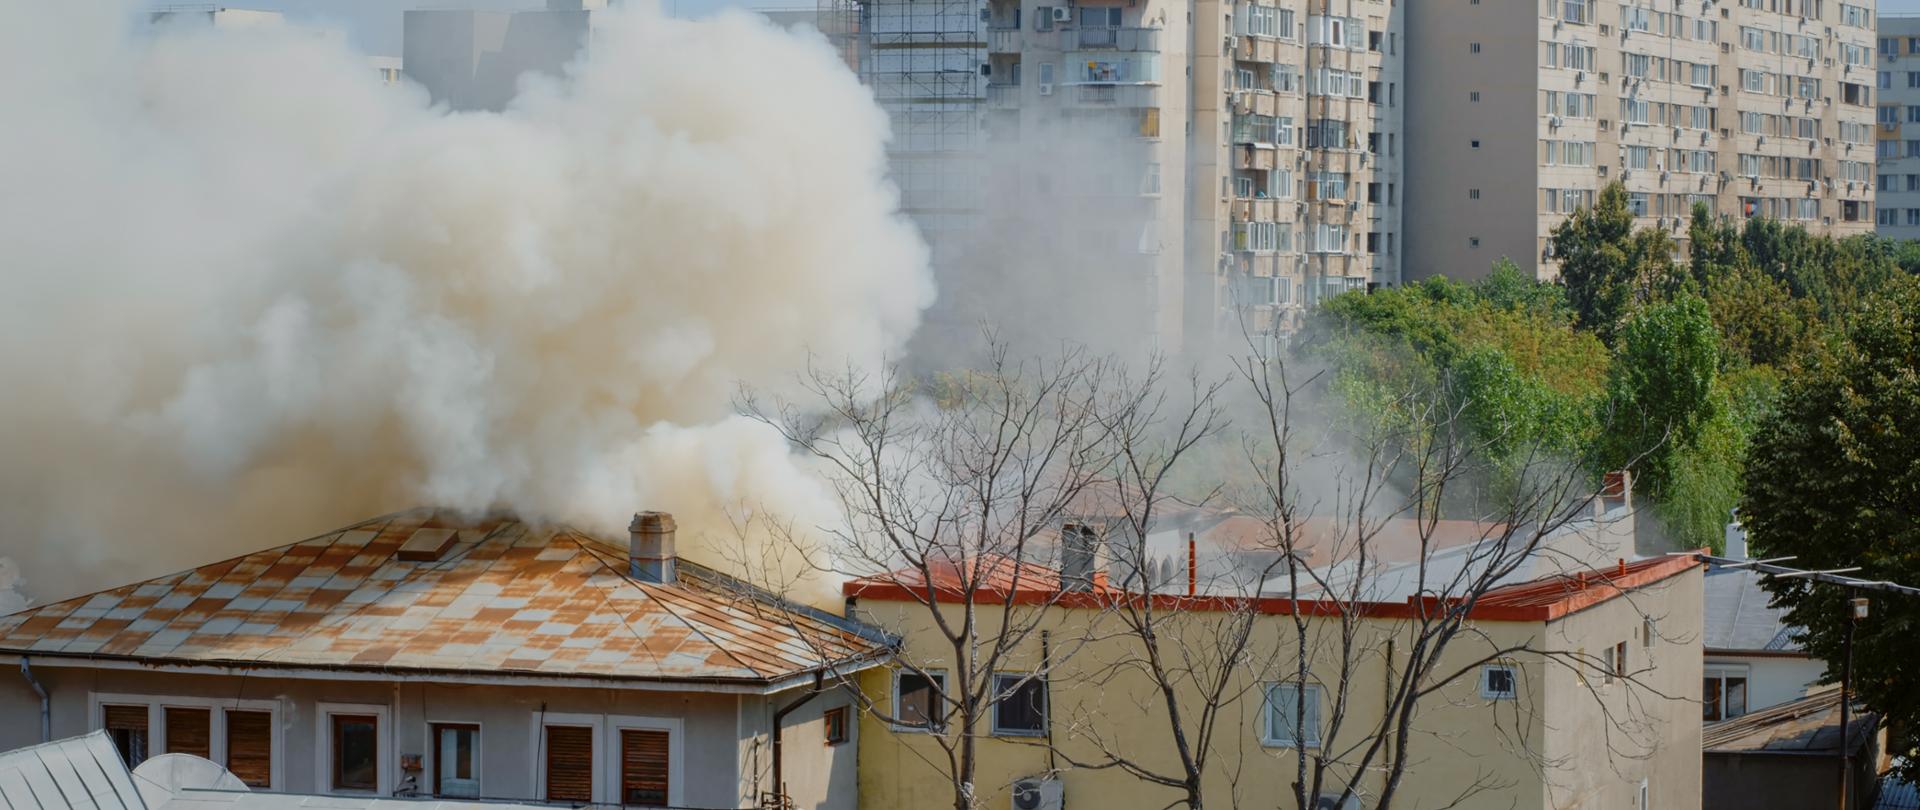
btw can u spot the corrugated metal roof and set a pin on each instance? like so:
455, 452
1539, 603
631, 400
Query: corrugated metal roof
79, 773
1737, 616
1896, 794
505, 597
1810, 724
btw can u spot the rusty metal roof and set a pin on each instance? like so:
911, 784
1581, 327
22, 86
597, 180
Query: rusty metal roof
503, 597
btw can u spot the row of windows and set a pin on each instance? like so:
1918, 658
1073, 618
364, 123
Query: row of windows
1275, 237
1890, 46
1892, 182
1778, 167
1891, 216
1780, 42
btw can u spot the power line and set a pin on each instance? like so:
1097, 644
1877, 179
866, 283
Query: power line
1834, 576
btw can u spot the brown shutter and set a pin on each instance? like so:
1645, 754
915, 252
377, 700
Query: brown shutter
643, 767
190, 731
127, 718
250, 747
570, 764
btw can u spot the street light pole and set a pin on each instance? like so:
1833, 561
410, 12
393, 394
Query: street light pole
1856, 610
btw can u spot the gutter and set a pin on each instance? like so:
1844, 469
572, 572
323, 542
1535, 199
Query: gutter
779, 717
46, 702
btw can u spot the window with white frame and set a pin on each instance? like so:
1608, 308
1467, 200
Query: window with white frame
1499, 682
1723, 692
454, 751
1286, 78
242, 735
1020, 704
1292, 715
1574, 11
615, 760
918, 701
350, 750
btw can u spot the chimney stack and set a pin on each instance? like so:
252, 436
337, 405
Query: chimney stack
1616, 490
1080, 557
650, 547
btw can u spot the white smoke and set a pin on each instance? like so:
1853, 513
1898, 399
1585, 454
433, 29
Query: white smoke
252, 293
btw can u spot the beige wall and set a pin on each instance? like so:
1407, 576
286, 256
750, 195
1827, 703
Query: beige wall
723, 746
1533, 751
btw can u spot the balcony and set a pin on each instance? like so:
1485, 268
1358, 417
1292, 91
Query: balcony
1003, 40
1114, 95
1118, 39
1003, 96
1257, 209
1256, 49
1258, 158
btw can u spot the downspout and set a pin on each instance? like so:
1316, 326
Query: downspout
779, 716
46, 703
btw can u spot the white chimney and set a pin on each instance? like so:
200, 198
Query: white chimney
650, 547
1080, 557
1736, 540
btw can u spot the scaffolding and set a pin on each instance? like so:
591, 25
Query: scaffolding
923, 60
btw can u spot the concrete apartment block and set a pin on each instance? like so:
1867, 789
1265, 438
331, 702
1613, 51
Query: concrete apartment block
1754, 107
1897, 184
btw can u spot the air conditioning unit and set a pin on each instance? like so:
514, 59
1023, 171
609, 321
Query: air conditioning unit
1554, 122
1046, 89
1062, 14
1332, 801
1038, 794
1579, 76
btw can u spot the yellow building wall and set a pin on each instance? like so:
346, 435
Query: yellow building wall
1537, 750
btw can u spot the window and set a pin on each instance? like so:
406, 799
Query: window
1286, 79
1475, 143
356, 751
127, 727
917, 702
1913, 216
1723, 693
1020, 705
1473, 241
645, 756
1497, 682
1472, 193
1475, 47
1293, 715
835, 720
1619, 659
1474, 96
1574, 11
455, 759
250, 747
189, 731
569, 764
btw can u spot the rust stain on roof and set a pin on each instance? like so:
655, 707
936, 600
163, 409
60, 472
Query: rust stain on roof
502, 597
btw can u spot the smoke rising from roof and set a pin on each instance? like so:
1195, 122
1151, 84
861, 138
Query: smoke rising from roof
254, 294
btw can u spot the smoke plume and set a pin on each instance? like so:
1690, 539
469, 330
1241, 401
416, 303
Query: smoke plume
253, 294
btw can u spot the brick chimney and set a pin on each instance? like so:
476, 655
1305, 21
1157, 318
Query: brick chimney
1616, 491
650, 547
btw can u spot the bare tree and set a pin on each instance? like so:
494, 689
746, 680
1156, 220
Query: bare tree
953, 493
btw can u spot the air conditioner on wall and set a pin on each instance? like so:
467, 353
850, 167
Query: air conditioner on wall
1331, 801
1038, 794
1062, 14
1046, 89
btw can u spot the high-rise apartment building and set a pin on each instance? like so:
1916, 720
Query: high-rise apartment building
1754, 107
1897, 184
1183, 172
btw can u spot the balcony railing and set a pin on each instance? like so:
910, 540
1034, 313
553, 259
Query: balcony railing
1003, 40
1114, 95
1119, 39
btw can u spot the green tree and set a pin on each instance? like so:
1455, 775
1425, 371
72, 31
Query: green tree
1759, 319
1608, 267
1663, 410
1831, 479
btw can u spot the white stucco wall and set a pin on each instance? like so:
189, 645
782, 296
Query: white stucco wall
1773, 679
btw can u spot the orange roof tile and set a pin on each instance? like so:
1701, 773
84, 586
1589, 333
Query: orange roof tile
505, 597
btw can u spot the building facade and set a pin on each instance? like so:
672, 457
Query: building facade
428, 655
1897, 183
1756, 108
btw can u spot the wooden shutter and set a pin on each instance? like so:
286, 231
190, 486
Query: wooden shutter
190, 731
126, 718
570, 764
643, 767
250, 747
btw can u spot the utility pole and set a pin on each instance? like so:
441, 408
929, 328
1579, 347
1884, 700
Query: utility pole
1856, 610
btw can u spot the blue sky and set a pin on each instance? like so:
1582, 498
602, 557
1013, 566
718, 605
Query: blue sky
1900, 7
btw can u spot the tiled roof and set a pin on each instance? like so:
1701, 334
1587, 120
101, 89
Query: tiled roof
991, 576
504, 598
1738, 618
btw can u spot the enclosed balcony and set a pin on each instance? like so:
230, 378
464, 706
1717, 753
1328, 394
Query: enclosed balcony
1003, 40
1117, 39
1116, 95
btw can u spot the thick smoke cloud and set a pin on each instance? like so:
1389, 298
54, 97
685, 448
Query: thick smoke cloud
252, 294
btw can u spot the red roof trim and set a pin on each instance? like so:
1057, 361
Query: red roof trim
1538, 600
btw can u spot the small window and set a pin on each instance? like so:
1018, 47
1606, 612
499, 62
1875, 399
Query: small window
1475, 144
1020, 705
356, 752
1648, 632
455, 754
189, 731
1474, 96
1473, 194
1293, 715
1473, 241
1497, 682
644, 766
569, 765
836, 721
1476, 47
127, 727
916, 700
1723, 693
250, 748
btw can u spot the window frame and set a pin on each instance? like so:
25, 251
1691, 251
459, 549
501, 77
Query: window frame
1045, 697
596, 774
1486, 681
327, 772
932, 726
156, 706
676, 756
1268, 735
836, 715
1720, 672
432, 765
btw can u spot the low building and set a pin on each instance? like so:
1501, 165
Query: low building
1789, 756
426, 654
1519, 729
1752, 659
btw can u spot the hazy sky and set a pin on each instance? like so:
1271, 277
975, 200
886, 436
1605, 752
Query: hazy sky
375, 24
